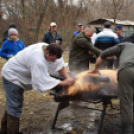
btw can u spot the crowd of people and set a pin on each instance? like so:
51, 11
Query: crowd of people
32, 67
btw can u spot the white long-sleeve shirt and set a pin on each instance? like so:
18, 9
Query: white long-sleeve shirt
30, 70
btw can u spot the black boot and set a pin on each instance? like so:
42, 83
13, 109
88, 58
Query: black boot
127, 129
13, 125
4, 124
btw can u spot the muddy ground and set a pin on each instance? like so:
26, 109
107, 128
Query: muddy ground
39, 111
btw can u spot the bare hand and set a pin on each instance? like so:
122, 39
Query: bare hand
57, 42
90, 52
94, 71
69, 81
109, 58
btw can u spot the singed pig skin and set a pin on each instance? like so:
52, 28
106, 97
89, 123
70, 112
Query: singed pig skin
91, 87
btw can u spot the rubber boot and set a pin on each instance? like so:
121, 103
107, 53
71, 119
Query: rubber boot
12, 125
4, 123
127, 129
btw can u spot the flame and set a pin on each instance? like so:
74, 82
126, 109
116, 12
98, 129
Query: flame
85, 88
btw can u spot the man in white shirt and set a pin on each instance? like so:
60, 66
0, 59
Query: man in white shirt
30, 69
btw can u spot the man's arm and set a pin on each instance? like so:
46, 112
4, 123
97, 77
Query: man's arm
97, 65
64, 73
59, 38
94, 50
107, 53
45, 38
67, 82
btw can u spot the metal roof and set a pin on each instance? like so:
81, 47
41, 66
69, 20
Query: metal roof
119, 22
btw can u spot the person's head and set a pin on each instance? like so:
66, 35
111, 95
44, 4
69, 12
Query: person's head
107, 24
12, 25
118, 30
53, 52
53, 26
89, 31
13, 34
80, 27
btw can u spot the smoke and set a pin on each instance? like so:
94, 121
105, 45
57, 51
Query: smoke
91, 87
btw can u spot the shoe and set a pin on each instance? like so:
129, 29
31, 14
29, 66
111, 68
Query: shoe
3, 129
12, 125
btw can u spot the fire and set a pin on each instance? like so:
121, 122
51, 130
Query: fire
90, 86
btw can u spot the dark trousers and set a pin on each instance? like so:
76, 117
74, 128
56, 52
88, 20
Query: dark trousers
14, 98
126, 94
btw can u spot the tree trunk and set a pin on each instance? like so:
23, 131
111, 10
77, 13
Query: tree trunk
35, 37
24, 20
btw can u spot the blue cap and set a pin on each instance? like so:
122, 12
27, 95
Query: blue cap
107, 23
118, 27
79, 24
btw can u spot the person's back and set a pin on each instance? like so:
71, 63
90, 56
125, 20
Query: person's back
105, 39
26, 65
127, 55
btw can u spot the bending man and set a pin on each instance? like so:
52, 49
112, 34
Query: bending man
30, 69
125, 51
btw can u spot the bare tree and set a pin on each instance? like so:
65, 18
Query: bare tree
114, 7
24, 20
35, 37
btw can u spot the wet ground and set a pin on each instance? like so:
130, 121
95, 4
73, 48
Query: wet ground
39, 111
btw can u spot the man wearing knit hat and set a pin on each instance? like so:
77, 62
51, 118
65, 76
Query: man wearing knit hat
12, 45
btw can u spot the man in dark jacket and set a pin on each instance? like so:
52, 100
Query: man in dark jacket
125, 81
122, 37
81, 50
119, 32
52, 36
130, 38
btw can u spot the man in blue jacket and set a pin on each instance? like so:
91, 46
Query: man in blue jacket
12, 45
79, 29
52, 36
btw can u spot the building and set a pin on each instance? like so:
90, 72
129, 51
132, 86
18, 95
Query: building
128, 26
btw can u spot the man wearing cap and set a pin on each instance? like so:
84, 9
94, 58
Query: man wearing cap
12, 45
118, 31
122, 37
79, 29
105, 39
52, 36
30, 69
